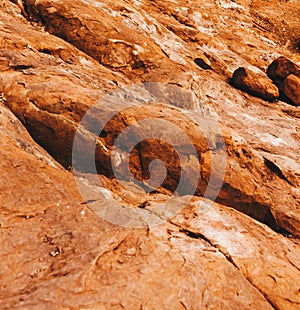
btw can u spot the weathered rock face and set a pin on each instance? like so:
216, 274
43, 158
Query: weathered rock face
57, 60
66, 249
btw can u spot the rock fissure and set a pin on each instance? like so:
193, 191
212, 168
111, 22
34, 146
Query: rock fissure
227, 256
274, 168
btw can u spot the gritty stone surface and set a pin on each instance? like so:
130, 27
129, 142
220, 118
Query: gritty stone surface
291, 88
57, 60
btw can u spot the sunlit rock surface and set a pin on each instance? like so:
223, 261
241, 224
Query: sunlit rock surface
64, 244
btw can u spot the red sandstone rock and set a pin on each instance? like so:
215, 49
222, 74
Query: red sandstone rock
65, 247
255, 83
56, 247
281, 68
291, 88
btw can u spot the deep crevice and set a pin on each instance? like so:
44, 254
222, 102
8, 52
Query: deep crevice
21, 67
200, 63
275, 169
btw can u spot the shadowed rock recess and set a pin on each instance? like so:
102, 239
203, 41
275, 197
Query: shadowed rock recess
95, 69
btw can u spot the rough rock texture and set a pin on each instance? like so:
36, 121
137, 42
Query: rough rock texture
57, 59
286, 74
291, 88
255, 83
280, 18
281, 67
66, 249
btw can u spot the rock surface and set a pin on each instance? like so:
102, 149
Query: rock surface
66, 249
57, 60
291, 88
